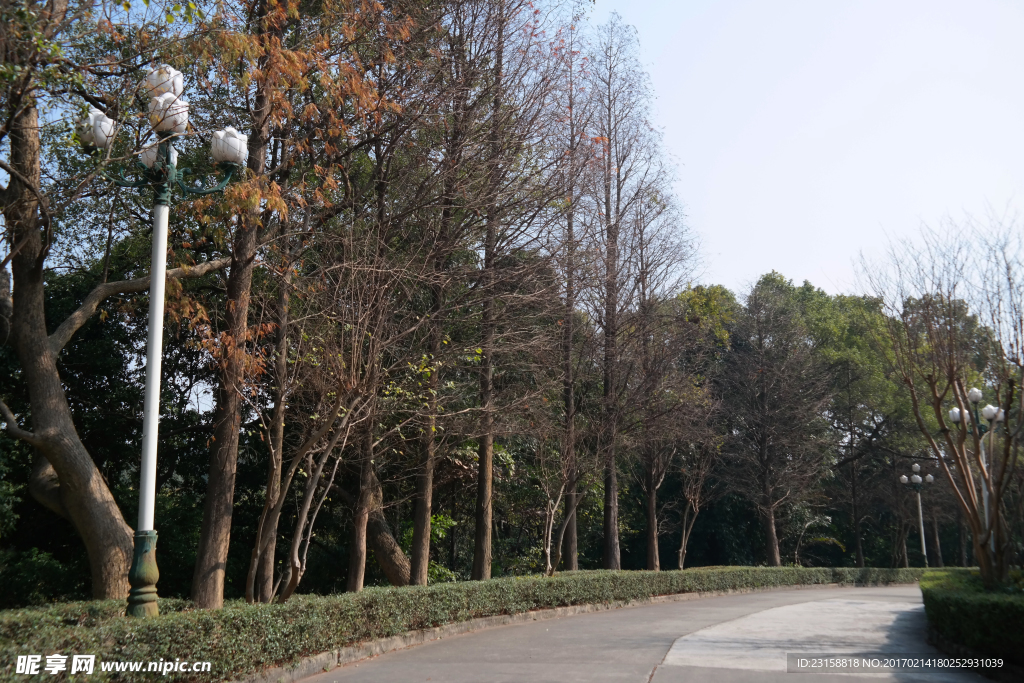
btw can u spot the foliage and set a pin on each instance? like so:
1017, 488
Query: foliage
35, 577
963, 612
242, 639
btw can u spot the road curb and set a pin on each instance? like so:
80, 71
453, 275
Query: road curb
326, 661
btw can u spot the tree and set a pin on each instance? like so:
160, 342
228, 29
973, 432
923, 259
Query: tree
775, 389
570, 141
36, 40
956, 322
628, 171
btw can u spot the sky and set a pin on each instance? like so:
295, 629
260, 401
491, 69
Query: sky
808, 132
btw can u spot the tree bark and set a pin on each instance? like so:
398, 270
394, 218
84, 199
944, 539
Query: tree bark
70, 475
936, 542
856, 515
612, 558
389, 554
485, 470
420, 561
962, 537
771, 537
570, 550
612, 216
688, 521
379, 538
365, 504
559, 536
485, 473
653, 560
215, 536
263, 588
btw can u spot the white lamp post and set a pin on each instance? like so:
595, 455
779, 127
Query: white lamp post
992, 414
915, 482
168, 116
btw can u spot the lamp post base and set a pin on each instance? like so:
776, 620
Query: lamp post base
142, 599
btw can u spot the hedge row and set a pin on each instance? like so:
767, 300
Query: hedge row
241, 639
962, 612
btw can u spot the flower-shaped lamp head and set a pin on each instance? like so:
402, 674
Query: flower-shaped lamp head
1001, 415
168, 113
954, 415
148, 155
989, 412
916, 467
96, 130
929, 479
903, 479
916, 479
163, 79
228, 146
974, 395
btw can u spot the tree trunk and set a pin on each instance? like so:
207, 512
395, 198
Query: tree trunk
549, 522
420, 560
856, 516
215, 536
688, 521
612, 558
559, 536
71, 475
263, 588
961, 536
653, 561
389, 554
357, 551
936, 543
379, 538
485, 471
570, 551
611, 555
771, 538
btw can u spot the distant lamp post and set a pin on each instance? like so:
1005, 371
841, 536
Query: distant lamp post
168, 117
915, 482
993, 415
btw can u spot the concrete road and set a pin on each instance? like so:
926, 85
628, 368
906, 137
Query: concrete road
729, 639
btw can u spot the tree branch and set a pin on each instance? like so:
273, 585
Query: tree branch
62, 335
43, 204
14, 430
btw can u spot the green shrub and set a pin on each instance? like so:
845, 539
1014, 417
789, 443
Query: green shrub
33, 577
241, 639
961, 611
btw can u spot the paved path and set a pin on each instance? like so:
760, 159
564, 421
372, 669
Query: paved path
730, 639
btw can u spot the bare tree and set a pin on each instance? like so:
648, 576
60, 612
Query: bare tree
695, 467
627, 169
956, 321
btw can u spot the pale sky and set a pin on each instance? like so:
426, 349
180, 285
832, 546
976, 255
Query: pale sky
808, 131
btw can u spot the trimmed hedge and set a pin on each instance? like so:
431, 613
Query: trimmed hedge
962, 612
241, 639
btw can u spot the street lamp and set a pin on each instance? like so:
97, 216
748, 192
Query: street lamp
915, 482
992, 414
168, 117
